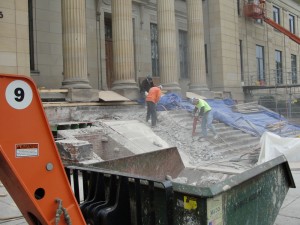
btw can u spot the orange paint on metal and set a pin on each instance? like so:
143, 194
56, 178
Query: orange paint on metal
286, 32
258, 11
30, 165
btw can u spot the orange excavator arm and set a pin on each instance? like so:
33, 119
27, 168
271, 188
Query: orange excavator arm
257, 11
282, 29
30, 166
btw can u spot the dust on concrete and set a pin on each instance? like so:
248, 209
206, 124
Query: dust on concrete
195, 152
167, 129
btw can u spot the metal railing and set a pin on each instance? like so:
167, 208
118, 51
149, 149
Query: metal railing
283, 96
108, 197
275, 78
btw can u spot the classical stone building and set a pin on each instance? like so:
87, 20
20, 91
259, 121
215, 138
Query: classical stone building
189, 45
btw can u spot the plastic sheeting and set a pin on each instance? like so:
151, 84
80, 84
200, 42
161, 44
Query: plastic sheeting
253, 123
273, 146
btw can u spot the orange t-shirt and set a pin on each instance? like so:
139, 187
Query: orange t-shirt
154, 95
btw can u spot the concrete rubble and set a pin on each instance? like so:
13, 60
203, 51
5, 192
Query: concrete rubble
128, 131
120, 132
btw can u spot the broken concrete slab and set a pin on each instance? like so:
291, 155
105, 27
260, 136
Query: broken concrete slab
136, 136
75, 150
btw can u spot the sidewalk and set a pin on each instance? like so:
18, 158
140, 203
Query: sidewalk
289, 213
9, 213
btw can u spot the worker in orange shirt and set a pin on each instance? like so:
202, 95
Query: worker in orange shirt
152, 99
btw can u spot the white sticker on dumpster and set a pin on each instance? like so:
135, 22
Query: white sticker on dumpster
214, 211
27, 150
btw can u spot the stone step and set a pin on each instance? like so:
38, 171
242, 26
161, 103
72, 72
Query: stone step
189, 122
179, 113
185, 120
230, 132
232, 139
234, 134
235, 146
220, 125
240, 150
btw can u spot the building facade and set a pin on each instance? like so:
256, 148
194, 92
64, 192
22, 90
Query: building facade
188, 45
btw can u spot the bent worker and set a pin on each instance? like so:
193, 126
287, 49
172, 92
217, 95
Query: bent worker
204, 110
145, 87
152, 99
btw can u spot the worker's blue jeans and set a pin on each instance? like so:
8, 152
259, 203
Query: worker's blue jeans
151, 112
143, 98
207, 123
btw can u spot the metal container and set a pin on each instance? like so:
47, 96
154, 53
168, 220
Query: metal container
156, 188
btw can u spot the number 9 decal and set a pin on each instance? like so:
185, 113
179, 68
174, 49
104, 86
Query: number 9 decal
18, 94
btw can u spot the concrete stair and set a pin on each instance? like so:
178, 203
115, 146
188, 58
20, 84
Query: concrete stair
231, 139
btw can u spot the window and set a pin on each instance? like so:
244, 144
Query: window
278, 63
260, 63
276, 15
294, 69
206, 58
292, 23
31, 35
258, 21
239, 7
108, 28
154, 49
241, 60
183, 54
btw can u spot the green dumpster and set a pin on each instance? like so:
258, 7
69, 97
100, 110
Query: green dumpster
253, 197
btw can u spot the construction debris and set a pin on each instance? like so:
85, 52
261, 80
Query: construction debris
276, 126
249, 107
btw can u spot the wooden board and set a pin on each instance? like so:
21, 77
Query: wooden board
53, 90
74, 104
193, 95
109, 96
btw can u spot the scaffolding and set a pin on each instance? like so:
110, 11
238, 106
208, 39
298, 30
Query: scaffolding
277, 91
275, 83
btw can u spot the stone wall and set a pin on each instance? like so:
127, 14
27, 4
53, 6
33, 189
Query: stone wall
14, 37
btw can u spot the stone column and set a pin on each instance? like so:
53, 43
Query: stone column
224, 48
168, 61
74, 44
196, 55
123, 51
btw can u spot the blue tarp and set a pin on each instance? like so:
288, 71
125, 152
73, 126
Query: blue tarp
254, 123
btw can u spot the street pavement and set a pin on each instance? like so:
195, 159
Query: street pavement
289, 213
290, 210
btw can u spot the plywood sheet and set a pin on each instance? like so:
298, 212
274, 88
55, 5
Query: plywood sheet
110, 96
53, 90
193, 95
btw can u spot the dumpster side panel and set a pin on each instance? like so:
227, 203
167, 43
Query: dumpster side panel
256, 201
156, 205
189, 209
155, 164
